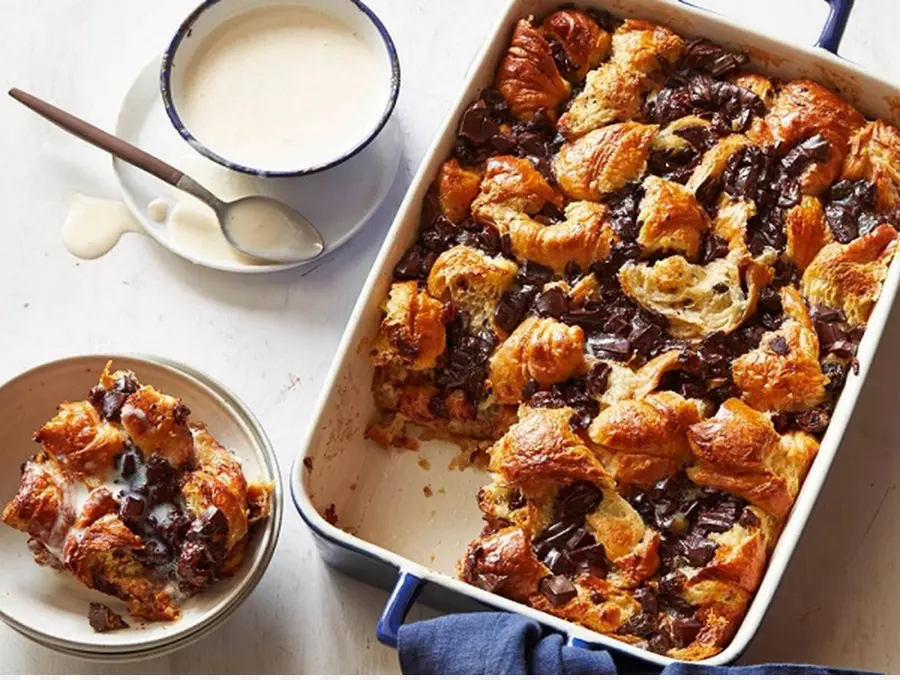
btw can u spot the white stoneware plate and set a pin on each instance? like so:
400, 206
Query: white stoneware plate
50, 607
338, 201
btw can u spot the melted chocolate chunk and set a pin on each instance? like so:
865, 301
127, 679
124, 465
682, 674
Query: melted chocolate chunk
708, 57
814, 421
815, 148
557, 589
779, 345
700, 93
850, 209
513, 306
466, 364
685, 630
576, 500
623, 206
490, 582
104, 619
552, 302
598, 378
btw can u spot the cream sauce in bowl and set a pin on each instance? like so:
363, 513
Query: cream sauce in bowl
282, 87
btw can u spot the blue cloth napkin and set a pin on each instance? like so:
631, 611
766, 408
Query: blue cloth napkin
495, 644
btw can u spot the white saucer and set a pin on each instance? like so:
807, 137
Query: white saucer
338, 201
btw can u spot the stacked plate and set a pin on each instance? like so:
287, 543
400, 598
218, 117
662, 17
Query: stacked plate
50, 607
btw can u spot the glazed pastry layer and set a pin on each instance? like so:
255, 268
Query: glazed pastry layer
638, 287
135, 500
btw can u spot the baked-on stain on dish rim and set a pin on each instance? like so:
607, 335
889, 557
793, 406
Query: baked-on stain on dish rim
185, 31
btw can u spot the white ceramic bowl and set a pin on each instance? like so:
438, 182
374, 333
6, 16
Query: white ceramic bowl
51, 607
211, 14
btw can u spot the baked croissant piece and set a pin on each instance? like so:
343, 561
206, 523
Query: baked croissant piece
806, 231
645, 440
528, 76
697, 300
670, 218
783, 374
584, 237
115, 498
585, 43
604, 161
512, 187
849, 277
545, 351
875, 156
412, 332
803, 109
740, 452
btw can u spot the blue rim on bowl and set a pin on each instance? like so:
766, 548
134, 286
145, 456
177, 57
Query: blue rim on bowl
165, 84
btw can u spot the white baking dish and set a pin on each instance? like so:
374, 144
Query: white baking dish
392, 525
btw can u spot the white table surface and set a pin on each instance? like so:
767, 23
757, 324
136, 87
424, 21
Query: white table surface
271, 339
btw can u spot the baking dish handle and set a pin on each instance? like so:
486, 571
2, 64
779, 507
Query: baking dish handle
830, 38
402, 598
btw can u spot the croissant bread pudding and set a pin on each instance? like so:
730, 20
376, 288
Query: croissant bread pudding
135, 500
638, 287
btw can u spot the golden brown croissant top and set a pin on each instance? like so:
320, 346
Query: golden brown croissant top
543, 350
585, 43
849, 277
528, 76
412, 332
583, 237
671, 220
604, 161
875, 155
512, 186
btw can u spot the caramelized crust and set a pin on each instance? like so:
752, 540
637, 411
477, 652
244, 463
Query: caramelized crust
645, 47
806, 230
40, 507
604, 161
457, 188
412, 333
472, 281
84, 444
542, 449
584, 237
157, 423
544, 350
875, 156
611, 94
512, 186
528, 76
697, 300
671, 219
506, 554
783, 373
849, 277
802, 109
740, 452
646, 438
585, 43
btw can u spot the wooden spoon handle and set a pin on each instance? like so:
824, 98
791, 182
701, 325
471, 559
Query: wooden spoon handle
99, 138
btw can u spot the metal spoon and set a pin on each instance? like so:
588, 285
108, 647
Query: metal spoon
258, 226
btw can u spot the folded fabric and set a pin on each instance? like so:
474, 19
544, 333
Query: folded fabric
508, 644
